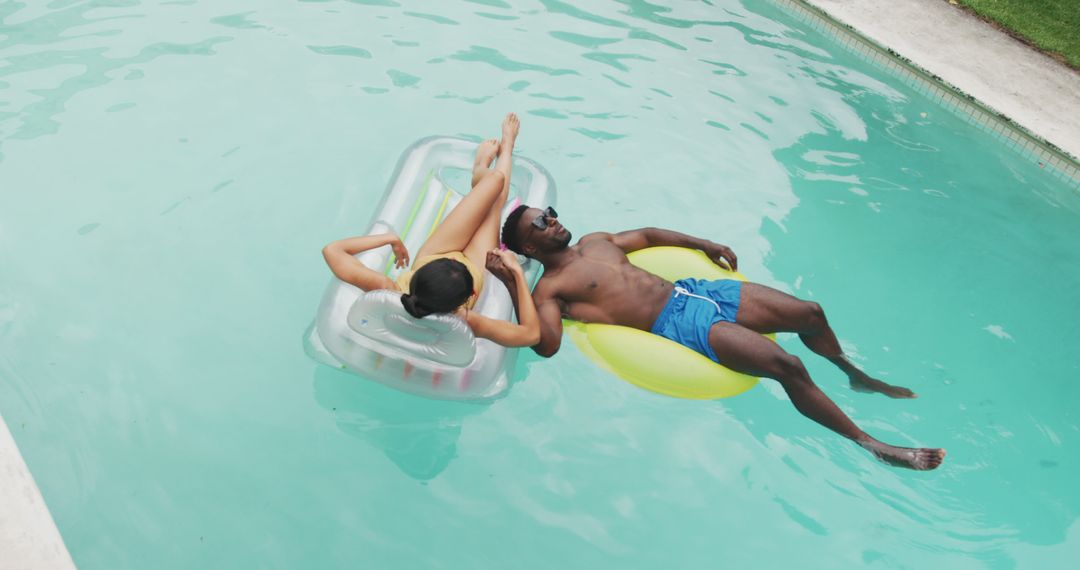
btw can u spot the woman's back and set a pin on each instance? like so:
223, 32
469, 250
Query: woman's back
436, 277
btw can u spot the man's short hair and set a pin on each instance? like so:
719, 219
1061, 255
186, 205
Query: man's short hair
510, 230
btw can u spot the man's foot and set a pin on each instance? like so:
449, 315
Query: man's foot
917, 458
860, 382
484, 155
510, 128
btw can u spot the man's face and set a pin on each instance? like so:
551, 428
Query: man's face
541, 232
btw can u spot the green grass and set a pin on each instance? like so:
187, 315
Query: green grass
1050, 25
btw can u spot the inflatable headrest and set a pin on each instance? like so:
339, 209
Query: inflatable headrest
445, 339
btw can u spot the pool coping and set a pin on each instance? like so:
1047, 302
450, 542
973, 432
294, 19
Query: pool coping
1020, 96
28, 535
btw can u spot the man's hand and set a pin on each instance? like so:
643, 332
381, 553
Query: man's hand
401, 254
721, 254
504, 265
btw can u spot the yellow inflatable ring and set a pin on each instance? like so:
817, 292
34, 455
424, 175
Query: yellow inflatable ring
653, 362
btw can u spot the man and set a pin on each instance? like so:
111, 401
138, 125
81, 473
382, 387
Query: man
594, 282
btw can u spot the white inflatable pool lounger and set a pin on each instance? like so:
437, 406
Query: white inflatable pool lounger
371, 335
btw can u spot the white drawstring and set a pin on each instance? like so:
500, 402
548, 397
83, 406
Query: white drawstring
682, 291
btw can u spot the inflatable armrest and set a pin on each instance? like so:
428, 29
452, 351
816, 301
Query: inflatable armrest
445, 339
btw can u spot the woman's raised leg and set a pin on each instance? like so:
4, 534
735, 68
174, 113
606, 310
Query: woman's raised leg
486, 236
457, 230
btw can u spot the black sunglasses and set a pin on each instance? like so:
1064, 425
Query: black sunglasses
541, 222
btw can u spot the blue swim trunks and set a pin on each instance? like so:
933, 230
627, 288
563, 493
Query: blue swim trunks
693, 308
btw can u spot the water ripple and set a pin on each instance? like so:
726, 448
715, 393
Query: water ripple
501, 17
724, 68
651, 37
615, 59
384, 3
38, 118
492, 3
351, 51
601, 136
556, 97
559, 7
616, 81
495, 58
239, 21
582, 39
432, 18
402, 79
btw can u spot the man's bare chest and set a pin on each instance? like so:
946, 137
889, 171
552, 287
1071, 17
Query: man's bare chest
595, 275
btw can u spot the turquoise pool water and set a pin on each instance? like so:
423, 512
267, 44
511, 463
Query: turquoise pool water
170, 170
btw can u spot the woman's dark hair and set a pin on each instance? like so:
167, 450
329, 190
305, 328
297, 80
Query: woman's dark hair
438, 287
510, 231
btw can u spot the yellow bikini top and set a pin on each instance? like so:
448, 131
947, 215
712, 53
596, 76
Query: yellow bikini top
405, 278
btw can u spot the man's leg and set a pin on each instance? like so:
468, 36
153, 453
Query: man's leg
746, 351
766, 310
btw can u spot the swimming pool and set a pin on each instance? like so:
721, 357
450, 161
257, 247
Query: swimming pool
169, 171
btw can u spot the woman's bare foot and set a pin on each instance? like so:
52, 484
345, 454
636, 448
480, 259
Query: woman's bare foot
485, 153
510, 128
860, 382
917, 458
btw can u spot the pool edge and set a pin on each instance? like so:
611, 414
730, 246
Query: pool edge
1030, 145
28, 534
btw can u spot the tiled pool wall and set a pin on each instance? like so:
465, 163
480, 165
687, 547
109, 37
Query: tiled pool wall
1028, 145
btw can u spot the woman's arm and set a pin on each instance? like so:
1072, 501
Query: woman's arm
340, 254
504, 265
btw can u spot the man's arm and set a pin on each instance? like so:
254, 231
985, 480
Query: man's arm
634, 240
547, 308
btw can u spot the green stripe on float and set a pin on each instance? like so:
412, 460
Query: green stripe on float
412, 217
442, 208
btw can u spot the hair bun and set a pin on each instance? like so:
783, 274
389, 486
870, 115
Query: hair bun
413, 307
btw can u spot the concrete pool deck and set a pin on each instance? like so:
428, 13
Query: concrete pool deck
1033, 90
28, 535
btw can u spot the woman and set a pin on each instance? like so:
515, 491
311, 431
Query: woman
448, 276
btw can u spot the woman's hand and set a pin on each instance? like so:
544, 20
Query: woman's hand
401, 255
340, 256
503, 264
